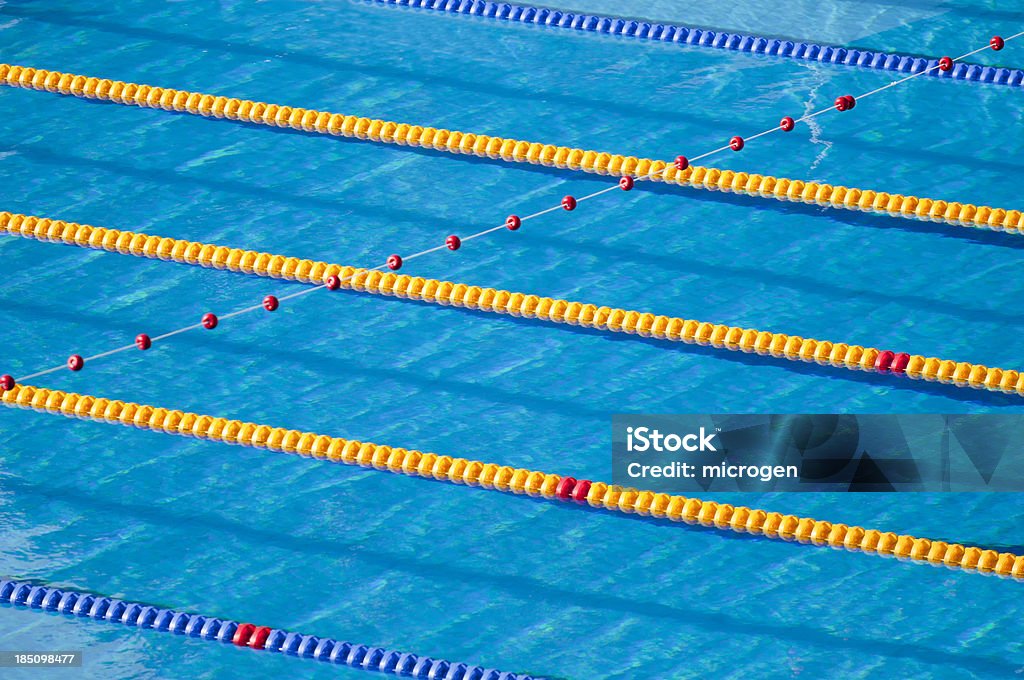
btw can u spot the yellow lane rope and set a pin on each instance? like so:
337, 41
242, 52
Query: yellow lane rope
518, 481
387, 132
721, 336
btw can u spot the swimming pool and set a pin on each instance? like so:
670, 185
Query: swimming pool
455, 573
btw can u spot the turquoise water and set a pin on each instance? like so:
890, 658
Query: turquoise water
442, 570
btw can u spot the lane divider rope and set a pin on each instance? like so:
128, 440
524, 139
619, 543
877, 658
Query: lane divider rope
262, 638
518, 481
512, 150
433, 291
737, 42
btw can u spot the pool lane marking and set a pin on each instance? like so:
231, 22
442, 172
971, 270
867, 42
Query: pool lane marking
261, 638
520, 481
511, 150
377, 282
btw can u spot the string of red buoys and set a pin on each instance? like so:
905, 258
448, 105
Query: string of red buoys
271, 303
394, 262
842, 103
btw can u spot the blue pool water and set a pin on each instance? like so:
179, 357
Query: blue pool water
442, 570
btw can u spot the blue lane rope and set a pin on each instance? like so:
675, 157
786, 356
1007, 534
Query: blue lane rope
738, 42
139, 615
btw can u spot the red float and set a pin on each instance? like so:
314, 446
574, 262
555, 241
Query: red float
453, 242
7, 382
75, 362
580, 491
564, 488
259, 637
569, 203
682, 163
143, 341
787, 124
884, 361
209, 321
333, 282
626, 183
900, 363
513, 222
395, 262
945, 64
996, 43
243, 633
271, 303
736, 143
